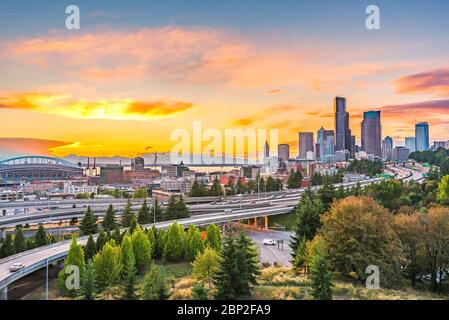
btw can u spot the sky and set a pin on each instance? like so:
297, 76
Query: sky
137, 70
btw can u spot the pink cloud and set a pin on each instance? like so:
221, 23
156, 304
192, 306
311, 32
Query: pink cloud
434, 82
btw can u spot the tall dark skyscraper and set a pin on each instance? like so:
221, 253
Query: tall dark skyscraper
342, 131
372, 133
305, 144
283, 152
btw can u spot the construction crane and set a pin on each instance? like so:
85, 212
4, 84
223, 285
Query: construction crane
155, 154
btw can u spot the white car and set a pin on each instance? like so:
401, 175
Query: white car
228, 210
16, 267
269, 242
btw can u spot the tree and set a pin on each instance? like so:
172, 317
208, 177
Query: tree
176, 209
387, 193
247, 263
199, 292
127, 215
443, 191
75, 257
299, 256
174, 245
216, 189
108, 265
194, 243
294, 180
109, 219
129, 266
143, 216
160, 236
206, 265
90, 249
213, 237
41, 236
142, 249
198, 189
19, 241
7, 247
327, 193
227, 279
89, 283
410, 231
155, 286
361, 234
117, 236
30, 243
320, 272
101, 240
88, 224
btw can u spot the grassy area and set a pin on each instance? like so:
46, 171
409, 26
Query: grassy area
285, 220
176, 270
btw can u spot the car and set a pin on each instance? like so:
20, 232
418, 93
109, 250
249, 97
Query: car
269, 242
16, 267
228, 210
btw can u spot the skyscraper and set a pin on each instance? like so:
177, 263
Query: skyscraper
387, 148
410, 144
422, 136
325, 140
266, 151
372, 133
283, 152
342, 131
305, 144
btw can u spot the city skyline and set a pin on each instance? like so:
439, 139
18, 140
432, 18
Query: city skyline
131, 75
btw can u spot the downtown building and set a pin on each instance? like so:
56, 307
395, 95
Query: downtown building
410, 144
325, 143
305, 144
387, 148
422, 136
371, 133
343, 137
283, 152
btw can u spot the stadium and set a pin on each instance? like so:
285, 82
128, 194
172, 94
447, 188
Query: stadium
30, 168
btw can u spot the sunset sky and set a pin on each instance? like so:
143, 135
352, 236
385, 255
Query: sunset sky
136, 70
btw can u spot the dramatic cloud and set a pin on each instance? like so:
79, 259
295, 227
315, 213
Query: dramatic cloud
28, 146
434, 82
117, 109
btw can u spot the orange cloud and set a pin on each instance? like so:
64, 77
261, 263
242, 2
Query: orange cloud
116, 109
434, 82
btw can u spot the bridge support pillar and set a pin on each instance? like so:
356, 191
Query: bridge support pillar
4, 293
266, 222
255, 221
249, 222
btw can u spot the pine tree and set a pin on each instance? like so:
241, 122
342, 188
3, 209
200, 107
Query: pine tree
157, 212
155, 286
75, 257
90, 249
30, 243
327, 193
133, 225
174, 245
227, 278
143, 216
19, 241
117, 235
160, 236
41, 236
213, 237
89, 283
152, 234
206, 265
199, 292
299, 256
109, 219
7, 247
176, 209
248, 263
142, 249
216, 190
320, 276
129, 266
194, 243
101, 241
108, 265
127, 215
88, 224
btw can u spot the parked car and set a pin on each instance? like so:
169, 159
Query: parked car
269, 242
16, 267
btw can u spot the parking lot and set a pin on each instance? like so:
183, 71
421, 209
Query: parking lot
271, 254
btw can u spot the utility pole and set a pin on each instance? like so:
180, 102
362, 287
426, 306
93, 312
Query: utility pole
46, 282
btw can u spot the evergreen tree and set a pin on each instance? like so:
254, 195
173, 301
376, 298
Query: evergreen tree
109, 219
206, 265
155, 286
174, 245
213, 237
19, 241
88, 224
294, 180
341, 192
7, 247
90, 249
199, 292
194, 243
127, 215
327, 193
299, 257
320, 275
75, 257
41, 236
117, 236
142, 249
248, 263
198, 189
216, 190
129, 266
108, 265
157, 212
30, 243
160, 236
143, 216
89, 283
152, 234
133, 225
101, 241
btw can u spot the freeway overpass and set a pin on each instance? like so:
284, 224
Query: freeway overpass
38, 258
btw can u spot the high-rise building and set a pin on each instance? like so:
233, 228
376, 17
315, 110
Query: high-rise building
410, 144
342, 131
387, 148
422, 136
372, 133
325, 140
438, 144
401, 154
305, 144
266, 151
283, 152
